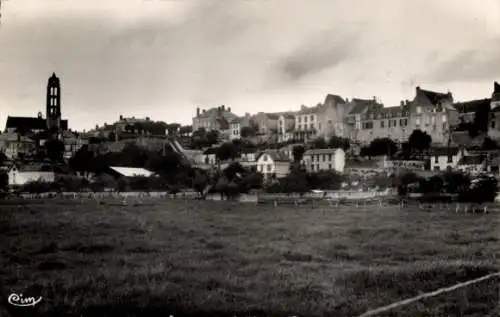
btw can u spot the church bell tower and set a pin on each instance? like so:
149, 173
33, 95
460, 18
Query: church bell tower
53, 110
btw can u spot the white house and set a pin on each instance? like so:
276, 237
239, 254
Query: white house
324, 159
472, 164
273, 162
210, 156
444, 159
248, 157
19, 176
235, 129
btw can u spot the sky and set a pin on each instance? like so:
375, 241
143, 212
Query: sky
165, 58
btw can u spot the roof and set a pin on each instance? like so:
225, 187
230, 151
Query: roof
288, 116
39, 168
472, 106
361, 105
321, 151
334, 99
309, 110
462, 138
434, 97
374, 164
276, 155
388, 112
471, 160
212, 150
131, 171
249, 150
30, 123
444, 151
15, 137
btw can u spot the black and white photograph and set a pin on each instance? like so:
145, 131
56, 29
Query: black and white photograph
249, 158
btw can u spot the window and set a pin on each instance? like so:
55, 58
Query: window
319, 126
444, 126
406, 122
492, 124
419, 110
324, 157
305, 119
436, 168
312, 167
444, 118
264, 158
300, 119
312, 126
329, 166
450, 158
382, 123
329, 157
312, 117
268, 168
436, 160
417, 122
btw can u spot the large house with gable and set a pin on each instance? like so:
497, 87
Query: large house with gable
433, 113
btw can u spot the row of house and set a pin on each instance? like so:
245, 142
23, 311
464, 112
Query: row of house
277, 162
360, 120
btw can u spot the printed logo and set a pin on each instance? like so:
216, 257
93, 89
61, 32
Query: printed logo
19, 300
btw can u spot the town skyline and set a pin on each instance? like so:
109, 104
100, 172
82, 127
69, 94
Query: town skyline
250, 56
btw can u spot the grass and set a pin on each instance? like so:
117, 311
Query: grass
192, 258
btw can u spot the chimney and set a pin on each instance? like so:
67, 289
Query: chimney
228, 109
496, 87
418, 88
407, 102
375, 98
347, 100
198, 111
223, 108
121, 117
203, 110
147, 118
402, 103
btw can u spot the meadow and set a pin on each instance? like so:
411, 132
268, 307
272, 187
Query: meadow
194, 258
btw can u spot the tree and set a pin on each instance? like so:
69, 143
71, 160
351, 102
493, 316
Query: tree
81, 161
4, 181
298, 153
200, 182
228, 151
329, 180
455, 182
489, 144
55, 150
482, 119
212, 137
419, 140
380, 146
319, 143
248, 131
339, 142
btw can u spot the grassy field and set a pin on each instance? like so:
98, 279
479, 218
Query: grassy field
192, 258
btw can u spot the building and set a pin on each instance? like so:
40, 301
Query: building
266, 126
15, 145
472, 164
433, 113
306, 123
357, 121
494, 130
21, 175
378, 121
237, 124
324, 159
445, 159
467, 109
53, 120
213, 119
333, 121
210, 156
273, 163
286, 126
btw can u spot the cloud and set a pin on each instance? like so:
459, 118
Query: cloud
319, 54
164, 58
469, 65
